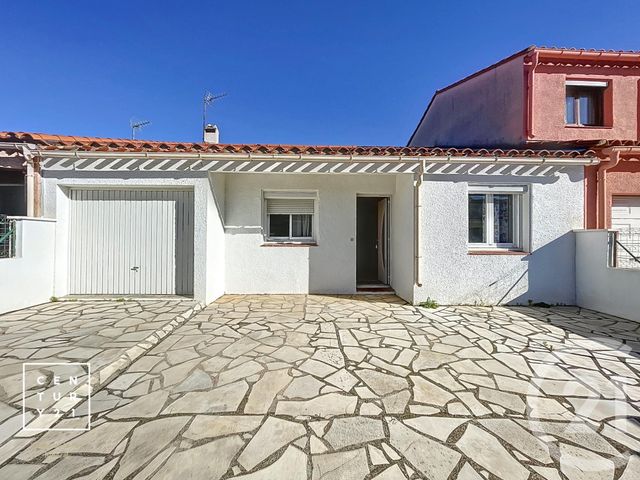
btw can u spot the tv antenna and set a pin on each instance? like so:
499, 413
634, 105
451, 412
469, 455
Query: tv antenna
207, 100
137, 125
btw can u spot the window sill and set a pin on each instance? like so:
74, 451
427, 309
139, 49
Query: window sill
289, 244
497, 251
589, 127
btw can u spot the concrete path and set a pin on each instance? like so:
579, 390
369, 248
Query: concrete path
321, 387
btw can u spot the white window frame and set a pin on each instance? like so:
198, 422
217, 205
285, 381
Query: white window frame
289, 195
592, 84
520, 217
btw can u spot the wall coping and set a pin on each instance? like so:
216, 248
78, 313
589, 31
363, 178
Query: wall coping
33, 219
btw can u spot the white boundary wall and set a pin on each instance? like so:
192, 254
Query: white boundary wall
27, 279
615, 291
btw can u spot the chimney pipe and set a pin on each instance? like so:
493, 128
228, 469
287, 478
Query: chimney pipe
211, 134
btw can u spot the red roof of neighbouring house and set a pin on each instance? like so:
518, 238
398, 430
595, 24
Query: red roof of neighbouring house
102, 144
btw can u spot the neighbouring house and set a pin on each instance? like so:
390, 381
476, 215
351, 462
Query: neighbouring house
553, 98
456, 225
13, 192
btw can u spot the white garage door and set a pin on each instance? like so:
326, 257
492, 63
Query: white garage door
625, 213
131, 242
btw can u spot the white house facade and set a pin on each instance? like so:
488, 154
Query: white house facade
202, 220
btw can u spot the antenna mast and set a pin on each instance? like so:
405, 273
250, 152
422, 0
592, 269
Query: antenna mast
137, 125
207, 100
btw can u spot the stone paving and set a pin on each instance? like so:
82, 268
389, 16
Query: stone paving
322, 387
108, 334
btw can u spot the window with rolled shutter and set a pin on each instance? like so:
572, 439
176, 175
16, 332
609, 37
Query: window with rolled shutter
289, 216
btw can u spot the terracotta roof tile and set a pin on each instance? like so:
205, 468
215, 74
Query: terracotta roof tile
99, 144
586, 50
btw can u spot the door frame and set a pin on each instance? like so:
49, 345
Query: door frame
381, 196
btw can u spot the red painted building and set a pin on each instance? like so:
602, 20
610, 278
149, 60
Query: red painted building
550, 98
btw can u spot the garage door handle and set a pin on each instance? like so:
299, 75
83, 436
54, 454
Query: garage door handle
135, 269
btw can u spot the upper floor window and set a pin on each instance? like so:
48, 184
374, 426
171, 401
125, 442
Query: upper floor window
585, 103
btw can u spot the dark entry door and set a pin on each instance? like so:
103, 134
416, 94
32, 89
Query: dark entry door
372, 240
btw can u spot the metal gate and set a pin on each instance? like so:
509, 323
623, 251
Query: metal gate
131, 242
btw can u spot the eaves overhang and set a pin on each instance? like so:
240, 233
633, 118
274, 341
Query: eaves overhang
279, 163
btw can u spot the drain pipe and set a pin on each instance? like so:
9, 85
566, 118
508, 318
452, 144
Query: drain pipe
602, 210
30, 187
32, 182
417, 222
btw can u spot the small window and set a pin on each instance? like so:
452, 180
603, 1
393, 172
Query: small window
289, 219
496, 217
585, 104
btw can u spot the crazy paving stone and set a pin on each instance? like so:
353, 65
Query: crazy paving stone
396, 403
177, 374
195, 463
316, 368
68, 467
519, 438
350, 464
425, 391
468, 473
376, 456
507, 400
291, 465
331, 356
221, 399
444, 378
342, 379
147, 406
632, 470
209, 426
264, 391
428, 359
436, 427
303, 387
101, 439
349, 431
273, 435
431, 458
382, 383
392, 473
486, 450
140, 450
331, 404
580, 464
197, 380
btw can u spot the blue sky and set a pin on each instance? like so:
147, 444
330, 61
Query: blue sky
305, 72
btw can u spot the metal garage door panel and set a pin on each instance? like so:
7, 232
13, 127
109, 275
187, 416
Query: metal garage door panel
131, 242
625, 213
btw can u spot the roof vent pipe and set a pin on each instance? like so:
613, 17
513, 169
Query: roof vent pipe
211, 134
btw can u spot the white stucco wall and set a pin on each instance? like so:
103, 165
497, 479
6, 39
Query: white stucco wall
329, 267
600, 287
207, 227
402, 237
452, 276
216, 243
229, 256
27, 279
